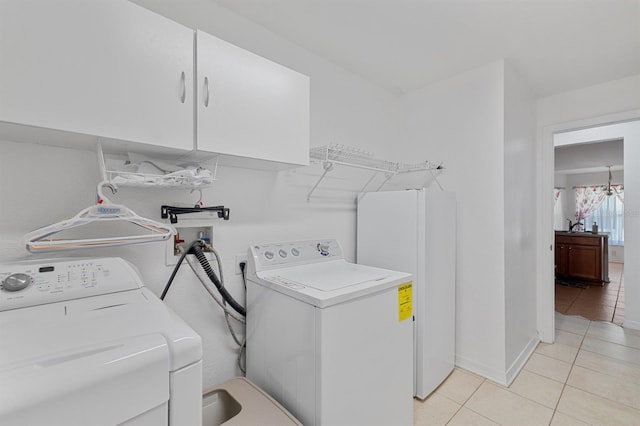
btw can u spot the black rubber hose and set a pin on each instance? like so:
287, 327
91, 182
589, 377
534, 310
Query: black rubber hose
175, 269
204, 262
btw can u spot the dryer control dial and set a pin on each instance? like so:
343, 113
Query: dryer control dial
16, 282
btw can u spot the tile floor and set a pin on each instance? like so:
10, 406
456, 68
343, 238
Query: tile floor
589, 376
596, 303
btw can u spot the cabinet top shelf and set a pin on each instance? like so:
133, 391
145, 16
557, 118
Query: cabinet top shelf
581, 234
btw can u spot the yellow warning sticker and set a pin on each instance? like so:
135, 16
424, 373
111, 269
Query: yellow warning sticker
405, 301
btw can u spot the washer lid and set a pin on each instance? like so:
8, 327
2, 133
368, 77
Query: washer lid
328, 283
333, 276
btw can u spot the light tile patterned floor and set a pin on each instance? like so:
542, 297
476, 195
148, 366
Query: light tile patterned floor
589, 376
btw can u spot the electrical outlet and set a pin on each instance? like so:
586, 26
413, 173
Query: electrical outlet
184, 236
239, 259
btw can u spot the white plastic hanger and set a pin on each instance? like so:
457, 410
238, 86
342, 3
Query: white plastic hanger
40, 240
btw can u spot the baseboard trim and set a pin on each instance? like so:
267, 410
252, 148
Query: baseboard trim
504, 378
481, 370
521, 360
633, 325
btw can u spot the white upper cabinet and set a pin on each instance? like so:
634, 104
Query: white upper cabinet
103, 68
248, 106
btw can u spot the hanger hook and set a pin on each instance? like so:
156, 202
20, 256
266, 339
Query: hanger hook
199, 203
101, 198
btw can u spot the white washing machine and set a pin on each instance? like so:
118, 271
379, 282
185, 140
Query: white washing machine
84, 343
330, 340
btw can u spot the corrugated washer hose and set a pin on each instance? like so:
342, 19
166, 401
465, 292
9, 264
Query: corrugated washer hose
204, 262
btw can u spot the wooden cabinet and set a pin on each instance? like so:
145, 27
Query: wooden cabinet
248, 106
582, 256
562, 251
106, 68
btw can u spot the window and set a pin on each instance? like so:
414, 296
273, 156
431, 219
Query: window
609, 216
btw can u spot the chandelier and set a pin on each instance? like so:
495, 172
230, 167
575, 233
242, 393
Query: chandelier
611, 189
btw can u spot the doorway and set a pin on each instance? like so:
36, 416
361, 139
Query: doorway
593, 170
546, 293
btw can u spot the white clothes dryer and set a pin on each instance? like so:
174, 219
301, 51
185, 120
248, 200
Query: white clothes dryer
84, 343
329, 339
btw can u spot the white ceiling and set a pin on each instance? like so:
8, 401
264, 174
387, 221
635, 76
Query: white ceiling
403, 45
589, 157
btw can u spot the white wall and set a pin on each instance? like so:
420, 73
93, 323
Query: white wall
460, 121
603, 104
481, 124
632, 224
589, 102
42, 184
521, 334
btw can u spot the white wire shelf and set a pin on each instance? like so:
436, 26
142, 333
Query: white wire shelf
334, 154
146, 172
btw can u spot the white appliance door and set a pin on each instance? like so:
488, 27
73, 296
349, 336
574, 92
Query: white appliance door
388, 231
121, 381
388, 227
436, 338
415, 231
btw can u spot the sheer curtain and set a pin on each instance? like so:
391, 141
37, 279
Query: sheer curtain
588, 198
558, 210
610, 217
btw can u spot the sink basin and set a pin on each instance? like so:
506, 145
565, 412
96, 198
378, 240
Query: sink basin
239, 402
218, 407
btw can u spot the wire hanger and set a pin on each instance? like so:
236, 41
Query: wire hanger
41, 240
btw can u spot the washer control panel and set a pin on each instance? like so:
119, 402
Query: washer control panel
293, 253
40, 282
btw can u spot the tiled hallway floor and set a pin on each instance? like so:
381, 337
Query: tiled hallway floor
596, 303
589, 376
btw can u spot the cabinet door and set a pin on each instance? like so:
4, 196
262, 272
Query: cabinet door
248, 106
585, 262
104, 68
561, 259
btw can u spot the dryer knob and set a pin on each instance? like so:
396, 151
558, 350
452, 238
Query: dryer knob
16, 282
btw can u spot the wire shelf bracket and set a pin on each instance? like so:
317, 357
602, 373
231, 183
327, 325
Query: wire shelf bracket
331, 155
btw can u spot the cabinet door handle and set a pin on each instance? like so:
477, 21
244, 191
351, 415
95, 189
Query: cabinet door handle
206, 93
183, 82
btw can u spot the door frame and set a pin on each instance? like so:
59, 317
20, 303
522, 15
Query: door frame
545, 288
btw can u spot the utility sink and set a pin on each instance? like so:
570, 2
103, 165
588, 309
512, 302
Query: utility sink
240, 402
218, 406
